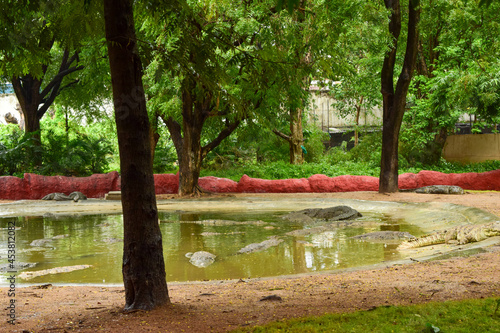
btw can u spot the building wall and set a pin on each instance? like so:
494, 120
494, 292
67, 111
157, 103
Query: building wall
472, 148
323, 115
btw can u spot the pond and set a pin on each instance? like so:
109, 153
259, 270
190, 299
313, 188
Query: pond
56, 238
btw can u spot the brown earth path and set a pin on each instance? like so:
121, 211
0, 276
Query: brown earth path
219, 306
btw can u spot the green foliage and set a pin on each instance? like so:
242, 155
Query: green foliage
314, 143
369, 149
67, 148
453, 316
82, 155
165, 155
460, 77
16, 151
367, 152
284, 170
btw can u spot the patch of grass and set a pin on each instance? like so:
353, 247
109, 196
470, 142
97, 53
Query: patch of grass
285, 170
481, 315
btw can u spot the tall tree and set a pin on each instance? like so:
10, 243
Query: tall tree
310, 41
39, 51
355, 88
394, 99
143, 264
458, 74
206, 52
295, 37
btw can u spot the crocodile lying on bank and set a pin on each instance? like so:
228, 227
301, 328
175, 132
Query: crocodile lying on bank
437, 189
75, 196
461, 234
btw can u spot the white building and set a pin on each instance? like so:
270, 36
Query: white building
328, 119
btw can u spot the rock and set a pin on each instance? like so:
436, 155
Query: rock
255, 247
113, 195
336, 213
201, 258
385, 236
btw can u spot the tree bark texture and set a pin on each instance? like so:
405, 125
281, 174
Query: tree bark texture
187, 138
143, 264
296, 137
394, 99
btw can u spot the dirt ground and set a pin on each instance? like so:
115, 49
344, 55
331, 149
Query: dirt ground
219, 306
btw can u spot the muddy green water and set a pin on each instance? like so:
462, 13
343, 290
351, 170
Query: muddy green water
93, 240
75, 237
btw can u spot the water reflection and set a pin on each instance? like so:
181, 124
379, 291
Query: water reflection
96, 240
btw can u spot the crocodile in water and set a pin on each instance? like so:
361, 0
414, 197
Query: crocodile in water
460, 234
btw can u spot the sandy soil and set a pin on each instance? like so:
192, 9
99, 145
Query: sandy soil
219, 306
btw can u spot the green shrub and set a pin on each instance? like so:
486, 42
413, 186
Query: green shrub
79, 156
17, 151
70, 155
314, 144
165, 157
369, 149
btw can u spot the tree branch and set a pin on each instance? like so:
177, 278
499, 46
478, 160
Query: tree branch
175, 132
222, 135
387, 76
282, 135
64, 70
53, 88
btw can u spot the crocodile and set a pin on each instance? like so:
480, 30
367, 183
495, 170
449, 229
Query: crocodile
437, 189
461, 234
75, 196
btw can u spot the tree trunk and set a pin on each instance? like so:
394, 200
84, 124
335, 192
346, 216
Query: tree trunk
154, 137
143, 264
187, 139
190, 160
296, 137
358, 114
394, 100
27, 91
